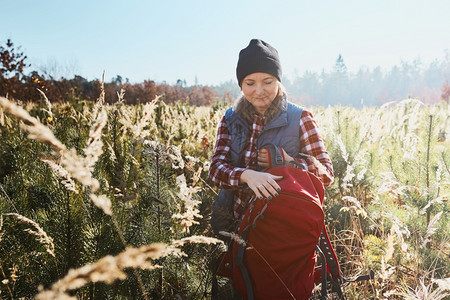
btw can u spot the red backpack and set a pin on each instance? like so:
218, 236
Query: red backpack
282, 238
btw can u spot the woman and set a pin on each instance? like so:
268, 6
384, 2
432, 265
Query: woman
262, 115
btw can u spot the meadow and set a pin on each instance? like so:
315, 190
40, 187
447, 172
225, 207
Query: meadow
112, 201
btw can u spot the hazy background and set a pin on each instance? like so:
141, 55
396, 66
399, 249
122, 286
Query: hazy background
197, 42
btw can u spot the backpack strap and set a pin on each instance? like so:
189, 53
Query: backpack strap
324, 292
277, 159
239, 259
369, 276
332, 264
325, 246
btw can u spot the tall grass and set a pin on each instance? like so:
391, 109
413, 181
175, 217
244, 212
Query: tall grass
119, 189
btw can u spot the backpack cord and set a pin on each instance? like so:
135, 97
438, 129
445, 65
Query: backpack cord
240, 263
323, 293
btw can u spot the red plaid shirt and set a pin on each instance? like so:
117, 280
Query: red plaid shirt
226, 176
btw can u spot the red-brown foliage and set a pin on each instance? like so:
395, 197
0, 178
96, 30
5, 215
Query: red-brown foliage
445, 89
14, 84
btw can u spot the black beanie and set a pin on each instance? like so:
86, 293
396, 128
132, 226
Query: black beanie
258, 57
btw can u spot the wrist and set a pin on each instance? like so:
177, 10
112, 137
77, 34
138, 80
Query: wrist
245, 176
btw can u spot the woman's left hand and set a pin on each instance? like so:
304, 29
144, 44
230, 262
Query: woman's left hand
264, 185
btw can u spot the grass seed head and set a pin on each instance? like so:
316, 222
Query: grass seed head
37, 231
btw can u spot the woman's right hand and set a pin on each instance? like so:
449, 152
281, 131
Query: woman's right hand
264, 185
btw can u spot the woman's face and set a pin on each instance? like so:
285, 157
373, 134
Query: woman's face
260, 89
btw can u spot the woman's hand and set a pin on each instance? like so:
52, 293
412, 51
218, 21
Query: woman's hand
264, 185
263, 158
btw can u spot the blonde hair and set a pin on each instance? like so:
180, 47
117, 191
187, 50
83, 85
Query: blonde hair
281, 89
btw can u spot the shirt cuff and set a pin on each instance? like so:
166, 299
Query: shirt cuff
235, 177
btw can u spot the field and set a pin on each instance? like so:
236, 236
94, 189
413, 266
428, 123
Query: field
112, 201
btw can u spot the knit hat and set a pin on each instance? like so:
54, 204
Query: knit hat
258, 57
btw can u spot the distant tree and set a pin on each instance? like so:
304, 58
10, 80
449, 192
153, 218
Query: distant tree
309, 85
335, 84
339, 66
13, 82
117, 81
12, 61
200, 96
434, 73
170, 93
149, 91
181, 82
55, 70
229, 88
359, 86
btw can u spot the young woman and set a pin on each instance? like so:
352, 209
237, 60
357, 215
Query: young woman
262, 115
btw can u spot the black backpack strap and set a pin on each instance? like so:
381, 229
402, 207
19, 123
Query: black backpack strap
333, 266
369, 276
332, 263
239, 259
325, 246
324, 292
276, 157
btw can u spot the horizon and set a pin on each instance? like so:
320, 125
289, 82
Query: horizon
199, 42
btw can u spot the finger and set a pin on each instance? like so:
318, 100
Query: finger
263, 164
263, 157
272, 191
262, 151
258, 191
265, 192
269, 189
276, 177
273, 183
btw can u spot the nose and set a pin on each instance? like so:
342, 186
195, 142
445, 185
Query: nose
259, 90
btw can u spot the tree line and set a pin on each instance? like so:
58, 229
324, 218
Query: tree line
17, 85
339, 86
429, 84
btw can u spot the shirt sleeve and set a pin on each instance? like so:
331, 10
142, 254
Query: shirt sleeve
221, 172
312, 145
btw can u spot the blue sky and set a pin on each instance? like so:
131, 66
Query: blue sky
200, 40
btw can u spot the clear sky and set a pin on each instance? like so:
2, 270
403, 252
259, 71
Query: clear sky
200, 40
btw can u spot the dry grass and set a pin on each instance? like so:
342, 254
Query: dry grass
77, 166
108, 269
362, 144
111, 268
36, 230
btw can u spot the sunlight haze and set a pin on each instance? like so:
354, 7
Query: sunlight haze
199, 41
